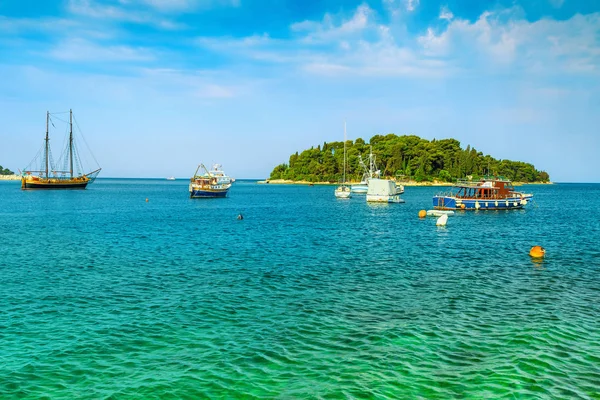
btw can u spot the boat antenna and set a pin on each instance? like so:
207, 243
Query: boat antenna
71, 142
47, 141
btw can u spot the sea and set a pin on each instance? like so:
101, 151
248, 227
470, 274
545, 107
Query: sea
132, 290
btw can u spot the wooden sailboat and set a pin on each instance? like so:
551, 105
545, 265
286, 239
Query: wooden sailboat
343, 191
47, 176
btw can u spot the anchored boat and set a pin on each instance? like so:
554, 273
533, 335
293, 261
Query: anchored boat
343, 191
383, 191
213, 183
48, 176
369, 173
490, 193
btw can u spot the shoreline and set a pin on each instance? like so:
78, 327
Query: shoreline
10, 177
409, 183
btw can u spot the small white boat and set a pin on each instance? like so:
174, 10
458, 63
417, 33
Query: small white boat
360, 188
171, 178
343, 191
439, 213
383, 191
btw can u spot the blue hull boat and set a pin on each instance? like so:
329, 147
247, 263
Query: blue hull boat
487, 194
211, 184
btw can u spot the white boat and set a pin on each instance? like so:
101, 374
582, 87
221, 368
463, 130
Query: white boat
171, 178
343, 191
439, 213
369, 173
383, 191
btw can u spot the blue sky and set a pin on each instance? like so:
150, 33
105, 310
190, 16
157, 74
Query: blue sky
158, 86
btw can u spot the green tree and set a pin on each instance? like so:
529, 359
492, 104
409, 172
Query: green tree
410, 155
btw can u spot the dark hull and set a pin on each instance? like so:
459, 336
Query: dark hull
206, 194
50, 186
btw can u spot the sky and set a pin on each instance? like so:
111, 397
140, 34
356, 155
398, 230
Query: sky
159, 86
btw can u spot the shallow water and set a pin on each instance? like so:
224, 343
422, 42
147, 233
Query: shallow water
105, 295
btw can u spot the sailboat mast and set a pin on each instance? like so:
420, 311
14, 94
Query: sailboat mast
71, 142
344, 179
47, 141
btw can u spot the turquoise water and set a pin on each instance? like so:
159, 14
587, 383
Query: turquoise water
106, 296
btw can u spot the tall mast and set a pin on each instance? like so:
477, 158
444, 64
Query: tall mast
344, 152
71, 142
47, 141
371, 164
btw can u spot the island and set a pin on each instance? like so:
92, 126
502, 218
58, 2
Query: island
7, 175
409, 158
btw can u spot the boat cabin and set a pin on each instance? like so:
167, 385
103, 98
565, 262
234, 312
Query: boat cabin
486, 189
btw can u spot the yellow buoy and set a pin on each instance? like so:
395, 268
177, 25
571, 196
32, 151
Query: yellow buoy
422, 214
146, 200
537, 252
462, 206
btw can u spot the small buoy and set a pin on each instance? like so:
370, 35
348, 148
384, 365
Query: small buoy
477, 206
240, 216
442, 221
422, 214
146, 200
462, 206
537, 252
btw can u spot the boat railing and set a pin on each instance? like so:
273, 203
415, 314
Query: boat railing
466, 183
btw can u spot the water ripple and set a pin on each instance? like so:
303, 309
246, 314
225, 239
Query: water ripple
306, 298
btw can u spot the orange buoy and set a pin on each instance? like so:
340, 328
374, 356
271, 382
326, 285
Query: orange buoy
422, 214
537, 252
146, 200
462, 206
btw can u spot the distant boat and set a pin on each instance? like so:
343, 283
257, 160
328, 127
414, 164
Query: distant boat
48, 176
383, 191
171, 178
343, 191
213, 183
490, 193
369, 173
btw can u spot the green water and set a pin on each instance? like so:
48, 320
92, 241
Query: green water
107, 296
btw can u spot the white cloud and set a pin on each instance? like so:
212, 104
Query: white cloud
187, 5
90, 9
446, 14
411, 5
83, 50
327, 30
571, 45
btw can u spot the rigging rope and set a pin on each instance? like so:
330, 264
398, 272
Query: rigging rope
85, 142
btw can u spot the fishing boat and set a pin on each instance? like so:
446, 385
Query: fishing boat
46, 175
369, 173
343, 191
211, 183
383, 191
490, 193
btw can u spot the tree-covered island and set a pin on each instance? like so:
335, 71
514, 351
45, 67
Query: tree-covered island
408, 156
6, 171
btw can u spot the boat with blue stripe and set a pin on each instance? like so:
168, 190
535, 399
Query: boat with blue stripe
211, 184
490, 193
